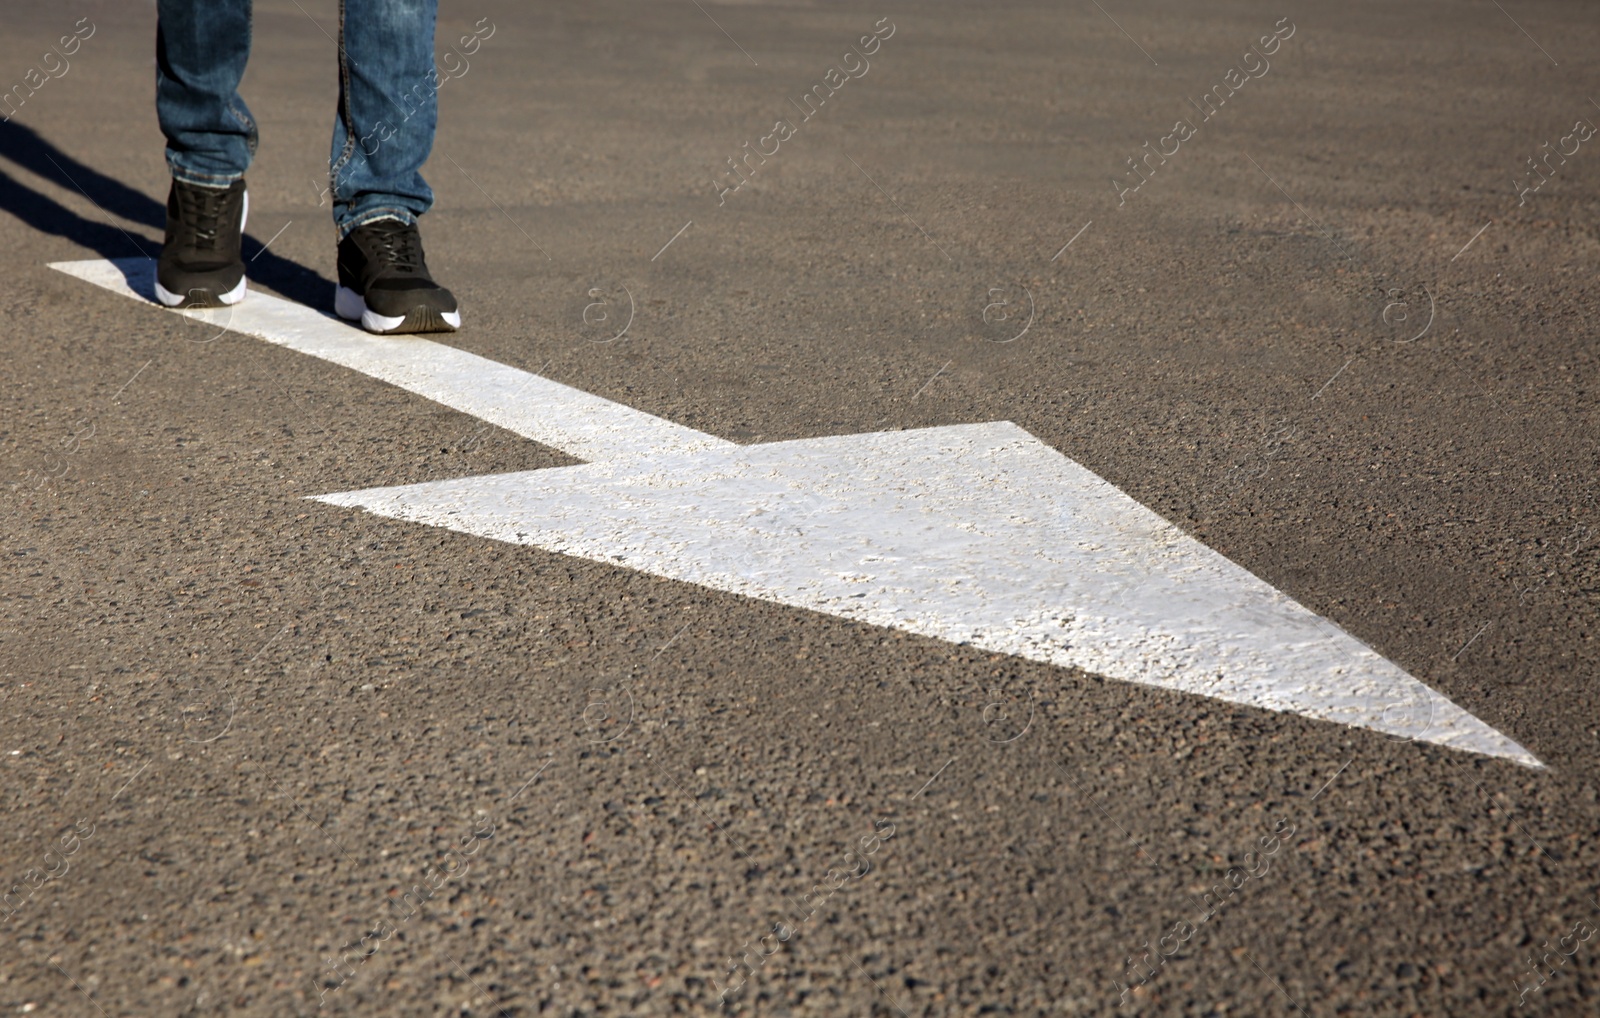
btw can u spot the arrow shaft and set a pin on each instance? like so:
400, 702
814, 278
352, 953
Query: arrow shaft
588, 427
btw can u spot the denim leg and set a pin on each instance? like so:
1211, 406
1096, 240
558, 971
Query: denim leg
201, 50
387, 111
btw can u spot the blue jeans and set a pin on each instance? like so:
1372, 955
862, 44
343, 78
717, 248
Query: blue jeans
384, 127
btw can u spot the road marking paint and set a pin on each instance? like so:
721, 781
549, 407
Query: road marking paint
584, 426
975, 534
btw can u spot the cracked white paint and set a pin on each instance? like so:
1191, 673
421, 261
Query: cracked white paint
976, 534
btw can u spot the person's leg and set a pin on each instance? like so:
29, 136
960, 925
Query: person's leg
387, 111
201, 50
381, 138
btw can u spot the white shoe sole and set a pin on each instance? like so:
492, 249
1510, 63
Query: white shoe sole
172, 300
233, 296
350, 306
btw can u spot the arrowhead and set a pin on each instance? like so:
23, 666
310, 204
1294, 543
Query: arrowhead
974, 534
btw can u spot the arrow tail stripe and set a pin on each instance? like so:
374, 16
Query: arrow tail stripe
582, 425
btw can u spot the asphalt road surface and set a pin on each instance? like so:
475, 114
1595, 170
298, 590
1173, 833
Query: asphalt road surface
1338, 328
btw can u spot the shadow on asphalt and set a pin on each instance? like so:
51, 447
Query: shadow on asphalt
24, 147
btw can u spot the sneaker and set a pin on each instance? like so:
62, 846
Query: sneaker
200, 264
384, 282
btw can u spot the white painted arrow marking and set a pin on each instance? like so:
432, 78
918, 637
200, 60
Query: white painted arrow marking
976, 534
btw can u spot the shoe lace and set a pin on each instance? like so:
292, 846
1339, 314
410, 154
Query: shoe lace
396, 245
202, 210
